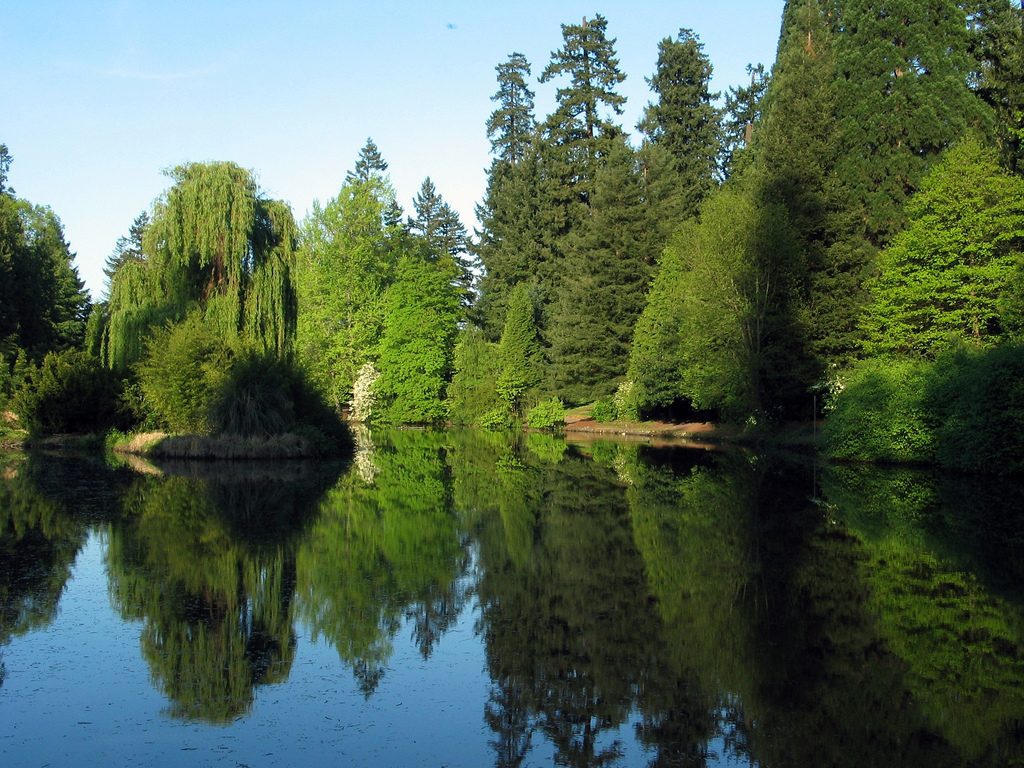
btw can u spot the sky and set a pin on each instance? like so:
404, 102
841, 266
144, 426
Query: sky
100, 97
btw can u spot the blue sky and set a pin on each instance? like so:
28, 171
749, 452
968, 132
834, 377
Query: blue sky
100, 97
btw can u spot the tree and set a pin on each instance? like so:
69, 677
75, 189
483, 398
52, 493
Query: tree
511, 126
684, 119
422, 311
609, 265
214, 243
442, 234
127, 248
742, 112
520, 354
945, 277
43, 302
369, 165
578, 127
347, 260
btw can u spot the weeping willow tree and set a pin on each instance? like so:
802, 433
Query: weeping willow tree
216, 246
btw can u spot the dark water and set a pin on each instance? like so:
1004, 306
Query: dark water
456, 599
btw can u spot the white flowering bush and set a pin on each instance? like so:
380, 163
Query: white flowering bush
363, 396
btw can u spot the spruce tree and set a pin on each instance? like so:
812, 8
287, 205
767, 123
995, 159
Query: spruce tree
684, 120
127, 248
740, 116
442, 235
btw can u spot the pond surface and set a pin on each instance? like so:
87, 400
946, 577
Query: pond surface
462, 599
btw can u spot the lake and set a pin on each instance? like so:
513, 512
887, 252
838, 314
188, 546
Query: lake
471, 599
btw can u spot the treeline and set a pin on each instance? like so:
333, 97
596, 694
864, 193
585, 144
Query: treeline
862, 199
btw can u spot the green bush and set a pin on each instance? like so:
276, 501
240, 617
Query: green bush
547, 414
882, 415
69, 392
182, 373
255, 397
497, 418
604, 410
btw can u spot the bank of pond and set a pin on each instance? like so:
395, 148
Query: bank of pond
456, 597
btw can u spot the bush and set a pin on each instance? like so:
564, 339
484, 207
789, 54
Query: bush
547, 414
254, 399
627, 400
69, 392
604, 410
182, 374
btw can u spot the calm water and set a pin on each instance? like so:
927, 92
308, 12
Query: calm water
456, 599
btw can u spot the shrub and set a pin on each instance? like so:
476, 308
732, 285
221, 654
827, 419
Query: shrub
254, 399
547, 414
497, 418
881, 414
604, 410
628, 398
69, 392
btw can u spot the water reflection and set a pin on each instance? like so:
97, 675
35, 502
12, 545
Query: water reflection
207, 561
634, 605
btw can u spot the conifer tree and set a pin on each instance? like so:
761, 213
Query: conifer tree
520, 354
444, 237
610, 262
579, 126
740, 116
369, 165
684, 120
127, 248
511, 126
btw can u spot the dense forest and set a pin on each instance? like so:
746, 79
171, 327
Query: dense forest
842, 236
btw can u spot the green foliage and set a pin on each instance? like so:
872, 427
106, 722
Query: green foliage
519, 353
70, 392
963, 410
882, 414
185, 366
547, 414
945, 277
742, 112
415, 353
511, 126
684, 120
216, 245
347, 260
604, 410
473, 394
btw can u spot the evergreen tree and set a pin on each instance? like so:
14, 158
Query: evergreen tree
610, 262
511, 126
442, 234
578, 127
369, 165
997, 52
43, 302
684, 120
945, 277
742, 112
520, 354
794, 149
127, 248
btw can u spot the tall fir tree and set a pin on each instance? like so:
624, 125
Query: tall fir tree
127, 248
684, 120
520, 354
369, 165
442, 235
511, 126
609, 265
740, 116
579, 127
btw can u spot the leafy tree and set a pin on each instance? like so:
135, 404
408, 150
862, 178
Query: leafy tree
684, 119
422, 310
214, 244
945, 276
347, 260
520, 354
473, 392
